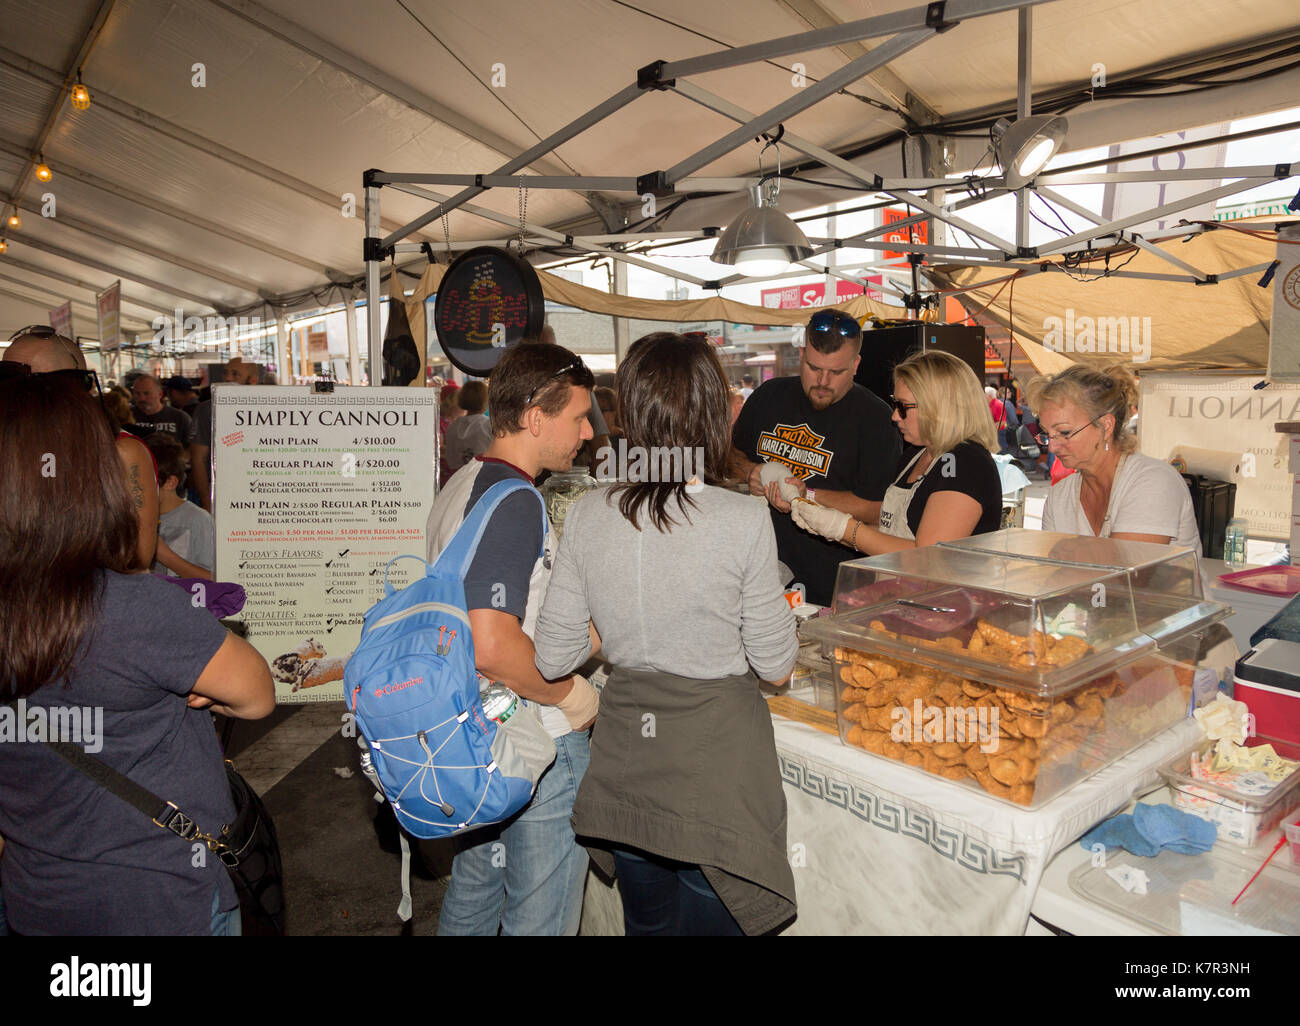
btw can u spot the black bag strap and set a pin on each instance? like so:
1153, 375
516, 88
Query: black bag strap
164, 813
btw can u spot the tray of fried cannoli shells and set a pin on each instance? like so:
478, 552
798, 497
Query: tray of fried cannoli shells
1022, 748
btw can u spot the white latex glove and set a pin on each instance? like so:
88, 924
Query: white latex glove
776, 473
829, 523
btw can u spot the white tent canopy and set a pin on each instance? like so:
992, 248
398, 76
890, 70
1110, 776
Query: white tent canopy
213, 168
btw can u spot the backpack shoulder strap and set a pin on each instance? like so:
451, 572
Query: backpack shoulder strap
455, 559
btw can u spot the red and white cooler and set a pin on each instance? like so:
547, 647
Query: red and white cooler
1268, 681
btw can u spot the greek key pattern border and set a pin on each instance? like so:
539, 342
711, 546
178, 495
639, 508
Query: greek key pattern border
351, 397
970, 854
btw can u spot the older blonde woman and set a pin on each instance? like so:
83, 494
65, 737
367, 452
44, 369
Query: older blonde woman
950, 489
1117, 492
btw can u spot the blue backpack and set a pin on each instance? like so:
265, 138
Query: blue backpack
411, 682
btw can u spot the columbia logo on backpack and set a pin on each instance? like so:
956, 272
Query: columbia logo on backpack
439, 760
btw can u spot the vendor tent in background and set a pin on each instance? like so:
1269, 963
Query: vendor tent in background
1157, 324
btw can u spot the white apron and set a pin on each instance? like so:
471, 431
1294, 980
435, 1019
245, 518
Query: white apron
893, 511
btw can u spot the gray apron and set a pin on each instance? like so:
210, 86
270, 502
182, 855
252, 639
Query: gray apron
687, 769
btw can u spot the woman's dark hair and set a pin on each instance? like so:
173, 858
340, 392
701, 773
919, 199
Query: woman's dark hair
170, 458
533, 374
674, 406
472, 396
65, 516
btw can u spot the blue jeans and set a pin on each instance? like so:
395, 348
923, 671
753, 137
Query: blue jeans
526, 876
225, 924
663, 898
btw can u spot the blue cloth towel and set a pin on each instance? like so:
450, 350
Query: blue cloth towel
1177, 831
1152, 829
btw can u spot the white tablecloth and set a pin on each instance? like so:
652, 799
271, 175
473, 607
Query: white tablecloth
880, 848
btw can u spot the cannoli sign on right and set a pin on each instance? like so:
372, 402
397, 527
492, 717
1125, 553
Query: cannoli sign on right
1284, 332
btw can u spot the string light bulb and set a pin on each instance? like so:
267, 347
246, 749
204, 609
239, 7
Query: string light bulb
15, 221
3, 245
43, 172
80, 95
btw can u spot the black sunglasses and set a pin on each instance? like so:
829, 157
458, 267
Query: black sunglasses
901, 407
824, 322
11, 370
575, 365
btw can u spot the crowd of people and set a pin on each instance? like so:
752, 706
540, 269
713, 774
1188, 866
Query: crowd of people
676, 582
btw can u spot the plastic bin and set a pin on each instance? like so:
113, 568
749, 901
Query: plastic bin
1018, 662
1242, 816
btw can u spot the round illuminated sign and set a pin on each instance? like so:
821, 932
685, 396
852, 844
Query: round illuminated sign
488, 301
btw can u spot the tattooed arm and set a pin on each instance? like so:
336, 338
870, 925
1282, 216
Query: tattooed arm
142, 483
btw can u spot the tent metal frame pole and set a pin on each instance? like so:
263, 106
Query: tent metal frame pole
564, 183
1142, 243
1268, 172
1241, 272
1043, 266
354, 349
932, 16
870, 182
615, 103
1024, 106
374, 343
805, 98
553, 237
1071, 241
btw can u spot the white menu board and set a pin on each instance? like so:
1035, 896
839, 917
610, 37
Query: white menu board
313, 495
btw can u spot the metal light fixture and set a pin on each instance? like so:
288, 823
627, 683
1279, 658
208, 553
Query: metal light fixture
43, 172
15, 221
762, 240
1024, 147
80, 95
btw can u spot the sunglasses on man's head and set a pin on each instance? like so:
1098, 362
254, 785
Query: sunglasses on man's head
575, 365
12, 370
827, 322
35, 330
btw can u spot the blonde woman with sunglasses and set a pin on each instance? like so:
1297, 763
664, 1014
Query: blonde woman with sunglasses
949, 489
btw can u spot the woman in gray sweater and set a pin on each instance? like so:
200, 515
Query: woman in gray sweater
679, 578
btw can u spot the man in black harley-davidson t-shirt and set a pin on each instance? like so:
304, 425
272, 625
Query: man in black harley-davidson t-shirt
833, 434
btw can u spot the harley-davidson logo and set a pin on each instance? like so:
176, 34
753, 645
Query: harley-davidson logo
799, 447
